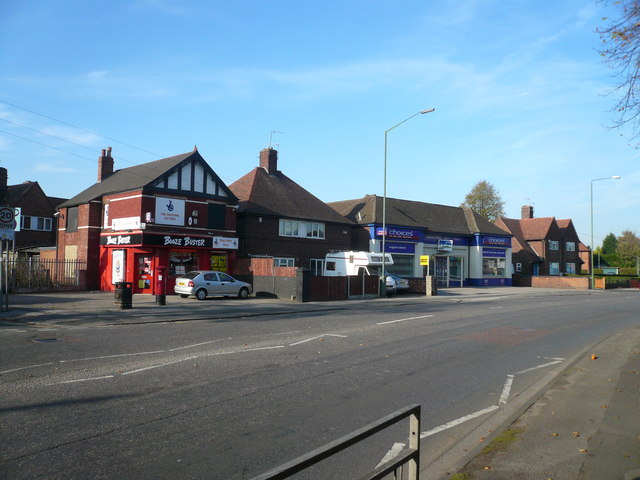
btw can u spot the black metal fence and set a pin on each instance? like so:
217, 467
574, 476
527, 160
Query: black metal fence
33, 274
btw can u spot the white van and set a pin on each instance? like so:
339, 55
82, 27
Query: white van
355, 263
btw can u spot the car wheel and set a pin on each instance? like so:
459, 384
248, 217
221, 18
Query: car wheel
243, 293
201, 294
184, 295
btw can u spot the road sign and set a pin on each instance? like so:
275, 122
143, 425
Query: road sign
7, 218
424, 259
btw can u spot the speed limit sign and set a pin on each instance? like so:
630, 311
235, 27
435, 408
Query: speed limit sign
7, 218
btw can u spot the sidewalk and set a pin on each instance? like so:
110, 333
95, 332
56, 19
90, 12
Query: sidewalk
585, 426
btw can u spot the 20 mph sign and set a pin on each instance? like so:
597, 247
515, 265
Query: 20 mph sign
7, 218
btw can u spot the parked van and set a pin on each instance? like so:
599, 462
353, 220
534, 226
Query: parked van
355, 263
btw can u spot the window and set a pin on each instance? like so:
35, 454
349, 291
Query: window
331, 266
295, 228
571, 268
493, 267
554, 268
35, 223
284, 262
72, 219
554, 245
402, 265
316, 265
571, 247
216, 216
518, 267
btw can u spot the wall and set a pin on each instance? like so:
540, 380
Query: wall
571, 283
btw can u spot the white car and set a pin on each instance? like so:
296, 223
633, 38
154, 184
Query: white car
397, 284
210, 283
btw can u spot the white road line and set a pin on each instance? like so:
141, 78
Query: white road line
84, 380
24, 368
403, 320
506, 390
230, 352
158, 366
196, 345
315, 338
391, 454
459, 421
555, 362
112, 356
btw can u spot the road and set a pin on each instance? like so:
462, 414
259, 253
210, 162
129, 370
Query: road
230, 399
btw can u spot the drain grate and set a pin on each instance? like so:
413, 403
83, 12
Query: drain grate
48, 340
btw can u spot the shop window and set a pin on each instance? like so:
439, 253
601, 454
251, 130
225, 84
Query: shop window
216, 216
182, 262
493, 267
402, 265
72, 219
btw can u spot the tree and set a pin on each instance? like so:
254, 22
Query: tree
628, 248
485, 200
609, 244
621, 51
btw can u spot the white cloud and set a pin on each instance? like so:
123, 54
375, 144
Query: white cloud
49, 168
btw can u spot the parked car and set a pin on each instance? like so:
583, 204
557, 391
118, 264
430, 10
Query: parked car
210, 283
396, 283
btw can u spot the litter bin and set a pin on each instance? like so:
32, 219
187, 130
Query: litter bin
124, 294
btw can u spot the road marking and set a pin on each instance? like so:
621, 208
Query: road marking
84, 380
459, 421
555, 362
111, 356
230, 352
403, 320
315, 338
24, 368
391, 454
158, 366
197, 344
506, 390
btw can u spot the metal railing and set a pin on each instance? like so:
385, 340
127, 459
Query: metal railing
409, 457
36, 274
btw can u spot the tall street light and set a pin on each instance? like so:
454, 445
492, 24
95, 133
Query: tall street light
614, 177
384, 198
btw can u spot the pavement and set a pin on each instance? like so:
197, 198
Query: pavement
584, 424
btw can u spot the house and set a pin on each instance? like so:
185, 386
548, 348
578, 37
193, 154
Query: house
278, 218
150, 223
543, 246
37, 221
461, 246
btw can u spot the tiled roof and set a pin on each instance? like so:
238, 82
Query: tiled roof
519, 243
11, 195
407, 213
260, 193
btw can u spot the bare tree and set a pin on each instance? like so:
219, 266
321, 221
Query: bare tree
485, 200
620, 49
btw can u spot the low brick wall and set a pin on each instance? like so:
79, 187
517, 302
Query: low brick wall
569, 283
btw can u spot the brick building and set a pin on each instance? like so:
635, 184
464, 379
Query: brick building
38, 222
172, 215
543, 246
280, 219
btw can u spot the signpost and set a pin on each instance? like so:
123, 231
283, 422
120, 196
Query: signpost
8, 226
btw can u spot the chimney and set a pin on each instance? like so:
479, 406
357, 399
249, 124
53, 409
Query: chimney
527, 212
105, 164
269, 160
3, 177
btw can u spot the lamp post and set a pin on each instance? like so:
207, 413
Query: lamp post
614, 177
384, 199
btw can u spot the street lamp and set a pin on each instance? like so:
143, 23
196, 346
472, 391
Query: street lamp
614, 177
384, 198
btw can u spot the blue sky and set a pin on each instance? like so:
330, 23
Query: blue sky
520, 91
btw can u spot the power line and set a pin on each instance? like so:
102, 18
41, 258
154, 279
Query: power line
48, 146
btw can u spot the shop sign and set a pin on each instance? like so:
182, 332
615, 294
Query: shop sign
400, 247
173, 241
225, 242
400, 233
493, 252
459, 241
117, 266
496, 241
170, 211
424, 260
127, 223
115, 240
445, 245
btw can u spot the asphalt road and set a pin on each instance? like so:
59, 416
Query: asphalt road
230, 399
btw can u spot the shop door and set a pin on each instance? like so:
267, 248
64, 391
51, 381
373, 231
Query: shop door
456, 269
442, 271
143, 281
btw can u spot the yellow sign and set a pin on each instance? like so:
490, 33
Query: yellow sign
424, 259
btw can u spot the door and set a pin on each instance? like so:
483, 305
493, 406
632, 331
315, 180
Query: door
455, 271
143, 282
226, 284
442, 271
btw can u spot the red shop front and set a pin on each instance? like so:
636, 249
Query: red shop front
140, 257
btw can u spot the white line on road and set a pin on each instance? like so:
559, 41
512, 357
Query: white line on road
506, 390
555, 362
158, 366
197, 344
111, 356
403, 320
391, 454
24, 368
315, 338
84, 380
230, 352
459, 421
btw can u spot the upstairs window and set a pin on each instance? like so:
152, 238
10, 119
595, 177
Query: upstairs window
35, 223
554, 245
72, 219
571, 247
299, 229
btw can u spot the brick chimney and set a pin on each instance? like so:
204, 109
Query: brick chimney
269, 160
105, 164
3, 177
527, 212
